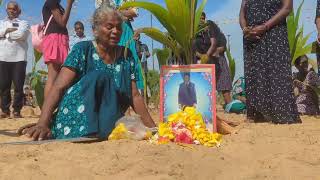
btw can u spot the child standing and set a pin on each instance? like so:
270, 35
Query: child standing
55, 45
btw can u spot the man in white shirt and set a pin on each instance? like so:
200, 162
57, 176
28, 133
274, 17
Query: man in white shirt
13, 55
79, 34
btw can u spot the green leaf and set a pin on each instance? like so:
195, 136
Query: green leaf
153, 84
158, 11
37, 56
232, 63
39, 92
36, 79
292, 30
42, 73
161, 37
297, 17
162, 55
38, 86
297, 41
302, 48
180, 19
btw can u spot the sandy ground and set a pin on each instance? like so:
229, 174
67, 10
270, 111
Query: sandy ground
255, 151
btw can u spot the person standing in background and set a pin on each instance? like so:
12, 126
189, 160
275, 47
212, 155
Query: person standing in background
318, 37
55, 45
305, 83
143, 54
267, 61
212, 42
13, 55
79, 34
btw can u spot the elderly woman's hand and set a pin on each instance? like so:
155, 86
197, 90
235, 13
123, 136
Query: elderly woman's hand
36, 131
129, 14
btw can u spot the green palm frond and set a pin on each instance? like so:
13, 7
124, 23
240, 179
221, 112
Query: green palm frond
158, 11
297, 41
163, 38
181, 20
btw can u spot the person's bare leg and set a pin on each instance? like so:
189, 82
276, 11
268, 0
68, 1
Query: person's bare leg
53, 71
227, 96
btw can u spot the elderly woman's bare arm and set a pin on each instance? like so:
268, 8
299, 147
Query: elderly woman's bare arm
140, 108
41, 130
63, 82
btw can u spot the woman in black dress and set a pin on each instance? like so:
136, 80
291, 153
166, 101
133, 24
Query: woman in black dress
267, 61
318, 37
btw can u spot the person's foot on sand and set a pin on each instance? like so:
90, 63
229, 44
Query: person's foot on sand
249, 120
17, 115
4, 115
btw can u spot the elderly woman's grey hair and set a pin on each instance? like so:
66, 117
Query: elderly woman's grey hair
101, 13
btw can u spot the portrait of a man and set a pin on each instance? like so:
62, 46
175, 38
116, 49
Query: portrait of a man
187, 96
188, 86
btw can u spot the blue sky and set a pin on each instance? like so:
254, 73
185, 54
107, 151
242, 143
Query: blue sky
224, 12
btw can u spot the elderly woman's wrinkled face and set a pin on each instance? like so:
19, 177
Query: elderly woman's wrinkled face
109, 31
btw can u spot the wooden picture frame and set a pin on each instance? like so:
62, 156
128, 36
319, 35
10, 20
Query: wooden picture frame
201, 78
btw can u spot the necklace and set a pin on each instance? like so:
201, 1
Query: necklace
115, 53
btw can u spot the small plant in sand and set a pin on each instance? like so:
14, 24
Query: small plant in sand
37, 79
297, 41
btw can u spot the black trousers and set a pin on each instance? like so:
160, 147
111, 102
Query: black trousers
12, 73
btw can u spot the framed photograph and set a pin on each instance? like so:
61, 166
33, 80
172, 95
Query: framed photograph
190, 85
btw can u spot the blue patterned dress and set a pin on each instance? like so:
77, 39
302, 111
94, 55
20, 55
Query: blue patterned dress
99, 96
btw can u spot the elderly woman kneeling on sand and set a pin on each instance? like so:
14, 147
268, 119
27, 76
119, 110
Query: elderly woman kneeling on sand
96, 85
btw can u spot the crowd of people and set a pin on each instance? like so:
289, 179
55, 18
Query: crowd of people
99, 79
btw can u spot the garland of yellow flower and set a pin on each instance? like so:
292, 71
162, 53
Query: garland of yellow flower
189, 117
120, 132
194, 122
